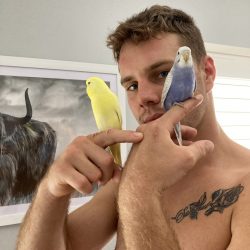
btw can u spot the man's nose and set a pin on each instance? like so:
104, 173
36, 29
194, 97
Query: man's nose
149, 93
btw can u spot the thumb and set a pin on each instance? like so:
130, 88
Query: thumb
200, 149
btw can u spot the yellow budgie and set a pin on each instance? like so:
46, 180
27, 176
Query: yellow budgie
106, 110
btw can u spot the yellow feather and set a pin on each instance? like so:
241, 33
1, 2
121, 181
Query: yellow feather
106, 110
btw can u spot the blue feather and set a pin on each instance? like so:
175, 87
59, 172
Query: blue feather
182, 86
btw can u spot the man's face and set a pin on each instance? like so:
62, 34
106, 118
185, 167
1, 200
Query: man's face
143, 68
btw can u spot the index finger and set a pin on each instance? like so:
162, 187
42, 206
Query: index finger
112, 136
179, 111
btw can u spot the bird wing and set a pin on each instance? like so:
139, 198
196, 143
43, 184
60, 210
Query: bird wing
117, 110
167, 85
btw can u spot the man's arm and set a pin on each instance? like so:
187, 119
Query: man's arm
46, 225
43, 226
152, 167
143, 223
85, 161
94, 224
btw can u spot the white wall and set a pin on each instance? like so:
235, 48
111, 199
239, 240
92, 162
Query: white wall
76, 31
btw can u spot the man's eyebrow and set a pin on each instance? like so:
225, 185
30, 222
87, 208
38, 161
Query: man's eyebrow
126, 79
168, 63
160, 63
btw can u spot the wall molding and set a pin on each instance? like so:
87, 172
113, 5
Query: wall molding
222, 49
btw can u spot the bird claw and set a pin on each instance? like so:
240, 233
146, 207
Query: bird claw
177, 130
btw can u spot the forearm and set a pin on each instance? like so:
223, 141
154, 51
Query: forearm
44, 223
93, 225
143, 224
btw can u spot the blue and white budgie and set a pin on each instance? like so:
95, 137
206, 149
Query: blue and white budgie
180, 84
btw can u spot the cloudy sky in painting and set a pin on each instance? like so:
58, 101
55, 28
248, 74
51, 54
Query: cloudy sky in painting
63, 104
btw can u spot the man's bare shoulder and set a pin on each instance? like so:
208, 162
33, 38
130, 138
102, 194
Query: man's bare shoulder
240, 223
238, 163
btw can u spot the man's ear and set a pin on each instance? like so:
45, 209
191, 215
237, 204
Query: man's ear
210, 73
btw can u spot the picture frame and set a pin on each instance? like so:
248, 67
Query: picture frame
34, 74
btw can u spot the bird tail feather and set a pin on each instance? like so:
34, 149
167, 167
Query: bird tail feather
116, 152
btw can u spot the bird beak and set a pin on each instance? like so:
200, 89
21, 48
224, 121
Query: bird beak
186, 56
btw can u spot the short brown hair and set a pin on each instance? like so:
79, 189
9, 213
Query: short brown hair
154, 21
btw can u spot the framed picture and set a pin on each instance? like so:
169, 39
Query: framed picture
57, 95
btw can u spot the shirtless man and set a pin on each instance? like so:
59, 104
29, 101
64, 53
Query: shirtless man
168, 196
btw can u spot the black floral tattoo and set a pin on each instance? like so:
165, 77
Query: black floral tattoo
221, 199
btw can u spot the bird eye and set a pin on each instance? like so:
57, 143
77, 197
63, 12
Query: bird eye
163, 74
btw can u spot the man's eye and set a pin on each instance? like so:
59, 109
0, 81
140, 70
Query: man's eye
132, 87
163, 74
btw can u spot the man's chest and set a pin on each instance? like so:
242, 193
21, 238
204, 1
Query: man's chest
201, 216
204, 232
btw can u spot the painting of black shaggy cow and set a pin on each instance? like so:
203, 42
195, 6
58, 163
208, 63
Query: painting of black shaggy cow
27, 149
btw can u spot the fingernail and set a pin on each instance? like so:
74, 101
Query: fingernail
138, 134
198, 97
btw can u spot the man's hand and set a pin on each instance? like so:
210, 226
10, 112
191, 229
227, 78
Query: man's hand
85, 162
157, 162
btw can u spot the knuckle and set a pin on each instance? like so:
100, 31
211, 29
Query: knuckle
189, 158
82, 184
103, 137
96, 176
71, 151
60, 167
108, 160
80, 140
93, 136
110, 131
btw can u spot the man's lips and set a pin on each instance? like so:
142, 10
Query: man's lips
153, 117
